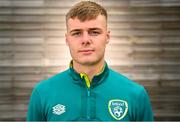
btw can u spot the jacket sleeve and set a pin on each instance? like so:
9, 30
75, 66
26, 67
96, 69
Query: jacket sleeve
144, 109
35, 109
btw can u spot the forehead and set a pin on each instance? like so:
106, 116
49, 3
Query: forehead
98, 22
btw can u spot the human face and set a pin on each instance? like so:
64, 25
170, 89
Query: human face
87, 40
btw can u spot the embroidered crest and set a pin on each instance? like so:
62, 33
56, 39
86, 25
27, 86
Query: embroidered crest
59, 109
117, 108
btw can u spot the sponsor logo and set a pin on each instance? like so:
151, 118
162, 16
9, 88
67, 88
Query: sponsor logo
118, 108
59, 109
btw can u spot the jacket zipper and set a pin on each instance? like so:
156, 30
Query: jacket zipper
88, 96
88, 104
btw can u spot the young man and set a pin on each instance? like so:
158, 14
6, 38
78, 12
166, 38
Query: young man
88, 90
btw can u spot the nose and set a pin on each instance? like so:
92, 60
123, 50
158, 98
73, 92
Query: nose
86, 39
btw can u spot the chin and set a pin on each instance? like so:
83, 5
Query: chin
88, 61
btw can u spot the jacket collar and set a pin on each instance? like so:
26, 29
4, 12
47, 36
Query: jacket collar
97, 79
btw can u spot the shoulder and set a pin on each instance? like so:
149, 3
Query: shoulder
52, 81
124, 82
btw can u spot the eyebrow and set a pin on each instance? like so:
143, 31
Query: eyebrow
91, 29
95, 29
75, 30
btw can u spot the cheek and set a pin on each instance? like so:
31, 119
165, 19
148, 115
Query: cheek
70, 42
73, 47
101, 48
102, 43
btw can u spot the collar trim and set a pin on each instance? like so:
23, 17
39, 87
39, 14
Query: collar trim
79, 78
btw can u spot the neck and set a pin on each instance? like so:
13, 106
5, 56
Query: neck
90, 70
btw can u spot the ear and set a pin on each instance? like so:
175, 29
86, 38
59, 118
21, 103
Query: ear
66, 38
108, 37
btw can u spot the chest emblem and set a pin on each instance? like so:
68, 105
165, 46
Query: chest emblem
59, 109
118, 108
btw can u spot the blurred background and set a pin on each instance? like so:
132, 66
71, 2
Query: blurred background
145, 46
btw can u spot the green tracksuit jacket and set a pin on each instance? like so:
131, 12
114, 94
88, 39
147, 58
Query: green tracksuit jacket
68, 96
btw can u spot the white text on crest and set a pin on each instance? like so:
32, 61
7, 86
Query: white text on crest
117, 104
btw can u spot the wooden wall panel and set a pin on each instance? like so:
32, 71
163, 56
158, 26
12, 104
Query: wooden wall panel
145, 46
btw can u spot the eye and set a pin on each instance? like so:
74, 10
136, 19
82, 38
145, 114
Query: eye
94, 33
76, 34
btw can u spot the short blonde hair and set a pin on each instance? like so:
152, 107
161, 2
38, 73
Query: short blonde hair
86, 10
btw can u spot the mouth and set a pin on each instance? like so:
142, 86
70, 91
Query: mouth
86, 51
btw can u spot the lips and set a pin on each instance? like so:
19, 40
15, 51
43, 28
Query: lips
86, 51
